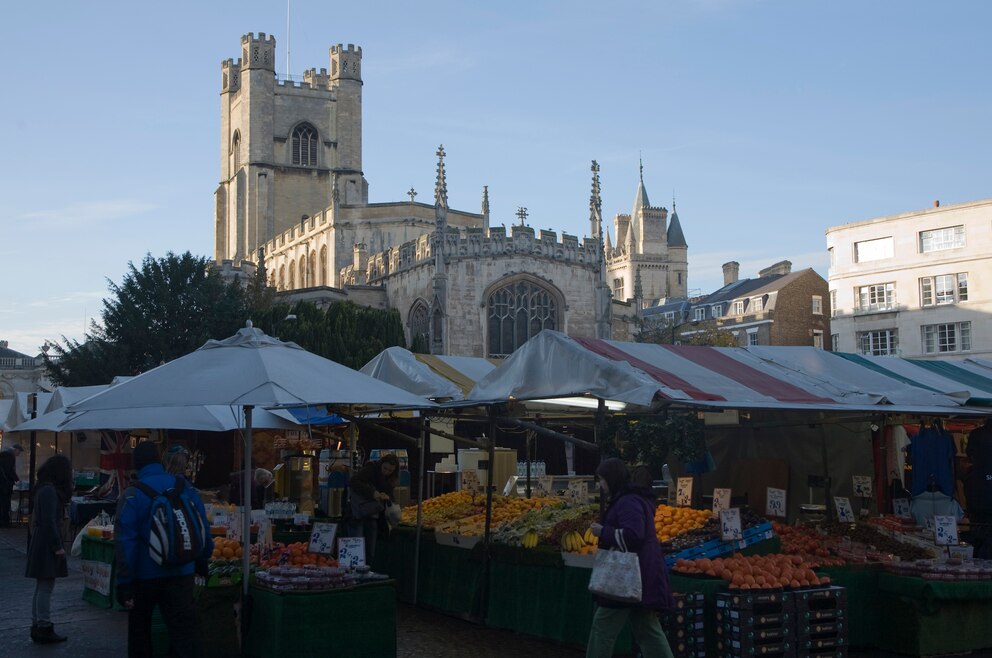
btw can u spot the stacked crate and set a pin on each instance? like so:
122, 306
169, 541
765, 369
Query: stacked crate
684, 626
821, 622
757, 623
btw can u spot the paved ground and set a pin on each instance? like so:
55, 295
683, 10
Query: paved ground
98, 633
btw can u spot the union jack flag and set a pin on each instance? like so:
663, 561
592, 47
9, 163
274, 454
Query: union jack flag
114, 463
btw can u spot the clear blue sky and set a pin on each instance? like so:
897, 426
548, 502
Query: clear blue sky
770, 121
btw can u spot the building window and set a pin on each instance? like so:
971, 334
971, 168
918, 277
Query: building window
752, 337
419, 327
236, 152
305, 146
817, 305
942, 238
944, 289
680, 278
618, 289
834, 342
518, 311
951, 337
883, 342
699, 313
877, 297
833, 303
830, 250
757, 304
323, 266
869, 250
818, 339
716, 311
739, 307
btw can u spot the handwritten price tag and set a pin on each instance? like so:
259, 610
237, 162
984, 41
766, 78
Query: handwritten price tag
351, 552
774, 502
683, 496
322, 538
544, 486
578, 493
900, 507
845, 513
470, 480
862, 486
945, 531
730, 524
721, 500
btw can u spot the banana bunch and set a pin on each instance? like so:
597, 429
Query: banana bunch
529, 539
590, 538
571, 542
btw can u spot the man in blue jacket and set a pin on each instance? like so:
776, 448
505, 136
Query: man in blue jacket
141, 582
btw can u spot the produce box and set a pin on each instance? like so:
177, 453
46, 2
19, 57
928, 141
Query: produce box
458, 541
581, 560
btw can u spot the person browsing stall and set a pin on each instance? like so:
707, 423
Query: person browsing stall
370, 491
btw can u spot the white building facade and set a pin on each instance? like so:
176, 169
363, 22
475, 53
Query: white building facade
918, 284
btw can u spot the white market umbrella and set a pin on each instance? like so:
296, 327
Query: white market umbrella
205, 418
247, 370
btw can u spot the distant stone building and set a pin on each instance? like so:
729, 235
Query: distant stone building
912, 284
293, 199
20, 373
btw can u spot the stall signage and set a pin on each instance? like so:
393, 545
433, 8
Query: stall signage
234, 526
351, 552
578, 493
322, 537
96, 576
470, 480
730, 524
683, 495
845, 513
301, 519
900, 507
774, 501
265, 533
945, 531
221, 518
862, 486
721, 500
545, 486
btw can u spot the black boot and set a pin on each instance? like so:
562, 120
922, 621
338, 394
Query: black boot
45, 634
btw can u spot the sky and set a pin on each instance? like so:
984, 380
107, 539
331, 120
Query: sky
767, 121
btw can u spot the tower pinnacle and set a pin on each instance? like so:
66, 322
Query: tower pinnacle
441, 188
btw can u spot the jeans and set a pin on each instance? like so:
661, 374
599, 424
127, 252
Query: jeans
174, 597
644, 625
41, 605
368, 528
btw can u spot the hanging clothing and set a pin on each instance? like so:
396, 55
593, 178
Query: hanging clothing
897, 451
978, 485
932, 453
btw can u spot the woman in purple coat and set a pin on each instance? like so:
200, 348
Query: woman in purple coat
628, 524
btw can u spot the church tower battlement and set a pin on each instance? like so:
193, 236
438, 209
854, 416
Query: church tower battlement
258, 52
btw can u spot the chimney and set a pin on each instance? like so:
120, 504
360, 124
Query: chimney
731, 272
781, 267
936, 204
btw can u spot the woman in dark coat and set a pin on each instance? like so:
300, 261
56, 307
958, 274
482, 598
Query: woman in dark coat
370, 490
628, 524
46, 553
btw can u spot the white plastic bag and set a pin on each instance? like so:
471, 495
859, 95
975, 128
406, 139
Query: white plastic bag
393, 515
101, 519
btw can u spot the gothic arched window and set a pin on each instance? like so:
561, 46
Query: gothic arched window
323, 266
419, 327
305, 145
236, 152
303, 272
292, 277
519, 310
281, 281
312, 270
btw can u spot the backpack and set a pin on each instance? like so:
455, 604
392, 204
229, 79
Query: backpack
176, 531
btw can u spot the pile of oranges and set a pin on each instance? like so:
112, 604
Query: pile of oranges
756, 571
226, 549
671, 522
298, 555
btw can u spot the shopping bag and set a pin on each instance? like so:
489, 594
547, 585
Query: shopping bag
394, 513
616, 575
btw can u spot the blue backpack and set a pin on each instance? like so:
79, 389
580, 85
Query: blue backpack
176, 533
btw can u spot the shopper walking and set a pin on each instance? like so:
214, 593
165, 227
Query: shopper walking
8, 478
46, 550
144, 580
628, 524
370, 491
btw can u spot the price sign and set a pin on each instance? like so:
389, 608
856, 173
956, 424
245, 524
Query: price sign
774, 502
862, 486
470, 480
234, 527
929, 524
220, 518
578, 493
945, 531
301, 519
721, 500
683, 497
544, 486
900, 507
730, 524
845, 513
322, 538
351, 552
265, 533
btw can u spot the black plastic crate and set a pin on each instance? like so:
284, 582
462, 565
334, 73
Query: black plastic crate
684, 631
730, 647
759, 619
820, 616
826, 653
754, 599
824, 643
770, 634
812, 595
835, 627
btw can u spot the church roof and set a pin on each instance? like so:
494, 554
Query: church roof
641, 200
676, 238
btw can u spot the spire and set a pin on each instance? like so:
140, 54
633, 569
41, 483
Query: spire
676, 238
441, 188
596, 205
485, 210
641, 200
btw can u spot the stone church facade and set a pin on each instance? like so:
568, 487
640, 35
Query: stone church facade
293, 199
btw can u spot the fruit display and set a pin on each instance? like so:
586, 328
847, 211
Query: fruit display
462, 505
226, 549
756, 571
575, 542
545, 524
294, 555
671, 521
806, 542
314, 578
504, 511
868, 543
574, 535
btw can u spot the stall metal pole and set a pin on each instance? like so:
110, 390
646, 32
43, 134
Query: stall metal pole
246, 529
424, 435
827, 499
530, 444
33, 455
484, 589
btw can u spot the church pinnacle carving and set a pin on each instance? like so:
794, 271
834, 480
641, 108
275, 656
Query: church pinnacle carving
441, 188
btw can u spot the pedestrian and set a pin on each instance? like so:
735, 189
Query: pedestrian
8, 478
142, 582
176, 460
46, 550
370, 491
628, 524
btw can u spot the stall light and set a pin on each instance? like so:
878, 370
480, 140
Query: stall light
585, 403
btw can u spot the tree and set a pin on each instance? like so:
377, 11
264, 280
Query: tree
166, 308
664, 332
651, 439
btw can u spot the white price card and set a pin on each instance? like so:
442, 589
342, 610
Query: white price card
470, 480
774, 502
301, 519
862, 486
578, 493
683, 497
351, 552
845, 513
721, 500
900, 507
322, 538
234, 529
545, 486
730, 524
265, 533
945, 531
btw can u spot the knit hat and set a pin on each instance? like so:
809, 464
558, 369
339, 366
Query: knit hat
144, 454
